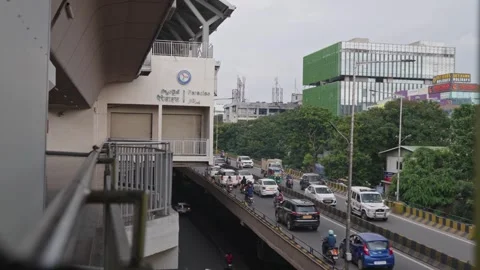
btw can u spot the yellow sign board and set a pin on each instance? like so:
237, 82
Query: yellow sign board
457, 77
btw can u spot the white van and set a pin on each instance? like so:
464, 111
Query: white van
368, 204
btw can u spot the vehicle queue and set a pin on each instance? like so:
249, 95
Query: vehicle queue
369, 250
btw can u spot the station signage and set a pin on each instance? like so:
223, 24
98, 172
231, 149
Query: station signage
180, 96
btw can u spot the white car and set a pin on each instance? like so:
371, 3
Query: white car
223, 176
265, 187
213, 170
244, 162
322, 194
182, 208
248, 175
368, 203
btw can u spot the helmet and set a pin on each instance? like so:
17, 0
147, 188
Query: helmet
330, 232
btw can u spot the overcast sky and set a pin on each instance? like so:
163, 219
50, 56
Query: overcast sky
267, 38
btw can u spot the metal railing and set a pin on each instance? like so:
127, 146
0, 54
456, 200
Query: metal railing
146, 195
146, 167
189, 147
182, 49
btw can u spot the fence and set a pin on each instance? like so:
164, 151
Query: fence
145, 167
192, 147
181, 49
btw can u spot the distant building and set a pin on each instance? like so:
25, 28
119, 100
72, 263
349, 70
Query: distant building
451, 90
297, 98
329, 72
245, 111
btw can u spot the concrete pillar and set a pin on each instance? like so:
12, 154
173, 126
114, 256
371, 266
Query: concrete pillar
24, 85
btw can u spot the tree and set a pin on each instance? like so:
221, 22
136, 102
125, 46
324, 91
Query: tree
462, 140
427, 179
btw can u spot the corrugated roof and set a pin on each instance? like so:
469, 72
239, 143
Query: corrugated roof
413, 148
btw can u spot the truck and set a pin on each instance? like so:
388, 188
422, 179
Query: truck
272, 168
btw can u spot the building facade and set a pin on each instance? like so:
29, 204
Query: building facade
246, 111
329, 72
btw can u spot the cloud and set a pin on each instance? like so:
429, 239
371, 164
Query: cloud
268, 38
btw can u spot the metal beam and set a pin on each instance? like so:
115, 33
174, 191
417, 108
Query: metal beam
209, 22
195, 12
185, 25
174, 33
211, 8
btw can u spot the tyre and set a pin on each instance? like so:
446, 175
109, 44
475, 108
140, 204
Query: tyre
385, 219
342, 252
360, 264
289, 225
315, 228
277, 217
364, 215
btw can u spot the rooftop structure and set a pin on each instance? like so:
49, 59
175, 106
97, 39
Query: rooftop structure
246, 111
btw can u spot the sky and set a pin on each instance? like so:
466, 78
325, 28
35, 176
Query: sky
264, 39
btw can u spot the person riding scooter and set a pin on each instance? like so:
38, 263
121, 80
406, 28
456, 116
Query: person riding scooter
278, 197
249, 192
229, 260
289, 181
229, 184
243, 182
329, 242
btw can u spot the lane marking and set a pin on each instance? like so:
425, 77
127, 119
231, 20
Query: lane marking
423, 226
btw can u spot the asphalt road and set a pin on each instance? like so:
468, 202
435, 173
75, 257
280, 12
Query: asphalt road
314, 239
447, 243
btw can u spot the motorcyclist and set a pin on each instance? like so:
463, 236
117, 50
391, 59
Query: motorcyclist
278, 196
289, 180
229, 258
329, 242
243, 182
249, 191
229, 181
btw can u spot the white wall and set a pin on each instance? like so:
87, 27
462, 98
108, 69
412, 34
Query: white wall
24, 86
162, 235
79, 130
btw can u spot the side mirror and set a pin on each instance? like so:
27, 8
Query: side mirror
383, 201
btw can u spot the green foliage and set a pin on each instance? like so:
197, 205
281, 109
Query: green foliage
440, 180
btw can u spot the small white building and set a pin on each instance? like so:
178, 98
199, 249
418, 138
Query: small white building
393, 161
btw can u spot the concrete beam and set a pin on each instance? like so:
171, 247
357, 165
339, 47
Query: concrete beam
211, 8
195, 12
184, 24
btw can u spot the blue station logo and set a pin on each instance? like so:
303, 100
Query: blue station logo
184, 77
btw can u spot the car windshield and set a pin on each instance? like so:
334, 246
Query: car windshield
311, 178
244, 173
229, 173
371, 198
377, 245
269, 183
323, 190
306, 208
245, 158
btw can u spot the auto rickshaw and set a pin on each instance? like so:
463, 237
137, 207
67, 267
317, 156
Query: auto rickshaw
275, 173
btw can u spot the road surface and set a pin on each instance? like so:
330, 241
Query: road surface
453, 245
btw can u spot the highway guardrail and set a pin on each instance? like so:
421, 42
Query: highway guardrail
303, 247
400, 208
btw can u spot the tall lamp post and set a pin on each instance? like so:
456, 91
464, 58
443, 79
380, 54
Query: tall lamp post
348, 254
216, 126
400, 140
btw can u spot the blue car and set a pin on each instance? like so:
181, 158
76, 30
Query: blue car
370, 250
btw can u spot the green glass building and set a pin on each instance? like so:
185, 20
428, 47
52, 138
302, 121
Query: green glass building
328, 73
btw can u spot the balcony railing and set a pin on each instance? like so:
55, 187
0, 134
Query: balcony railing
147, 167
182, 49
189, 147
137, 181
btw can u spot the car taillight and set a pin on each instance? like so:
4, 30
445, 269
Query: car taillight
295, 213
390, 250
365, 250
317, 213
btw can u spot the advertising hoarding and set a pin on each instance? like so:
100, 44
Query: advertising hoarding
439, 88
465, 87
452, 77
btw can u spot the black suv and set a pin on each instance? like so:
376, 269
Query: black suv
298, 213
310, 179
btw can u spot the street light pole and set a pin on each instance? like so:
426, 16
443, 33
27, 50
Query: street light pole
399, 148
348, 254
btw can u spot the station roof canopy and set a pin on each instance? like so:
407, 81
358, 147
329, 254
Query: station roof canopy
185, 24
412, 148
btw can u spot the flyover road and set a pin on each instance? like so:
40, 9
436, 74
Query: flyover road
314, 238
447, 243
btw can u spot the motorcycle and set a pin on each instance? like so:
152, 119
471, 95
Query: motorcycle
277, 201
332, 255
289, 183
250, 201
229, 188
229, 266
